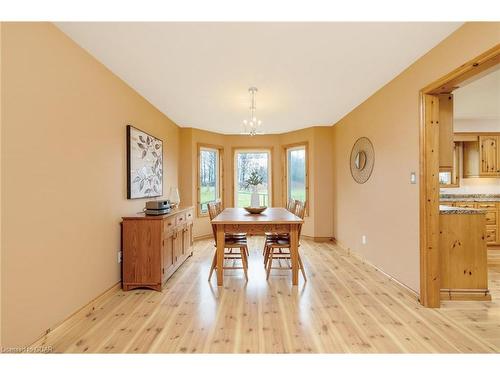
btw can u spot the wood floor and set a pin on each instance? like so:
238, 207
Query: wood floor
345, 306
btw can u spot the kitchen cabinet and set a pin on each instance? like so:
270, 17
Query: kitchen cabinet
481, 154
471, 160
446, 144
463, 257
154, 247
488, 154
491, 218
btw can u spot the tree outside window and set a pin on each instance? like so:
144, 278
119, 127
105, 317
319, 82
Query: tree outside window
209, 177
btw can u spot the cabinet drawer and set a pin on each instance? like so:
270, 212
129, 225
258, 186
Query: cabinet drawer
180, 218
190, 215
447, 203
491, 234
168, 224
466, 204
490, 206
491, 217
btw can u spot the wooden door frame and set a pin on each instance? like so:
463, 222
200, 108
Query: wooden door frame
429, 167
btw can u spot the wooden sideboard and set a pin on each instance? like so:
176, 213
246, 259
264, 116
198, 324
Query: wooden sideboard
154, 247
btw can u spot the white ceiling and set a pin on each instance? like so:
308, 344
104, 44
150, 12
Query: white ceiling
479, 99
307, 74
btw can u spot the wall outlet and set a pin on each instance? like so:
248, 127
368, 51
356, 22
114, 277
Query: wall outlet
119, 256
363, 239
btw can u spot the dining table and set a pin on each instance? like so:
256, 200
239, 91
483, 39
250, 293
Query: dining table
271, 220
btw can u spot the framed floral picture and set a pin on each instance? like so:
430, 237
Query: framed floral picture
144, 164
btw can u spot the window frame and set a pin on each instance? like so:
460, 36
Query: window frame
286, 148
270, 175
220, 175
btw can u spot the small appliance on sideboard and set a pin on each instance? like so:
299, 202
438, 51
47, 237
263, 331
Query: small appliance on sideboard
159, 207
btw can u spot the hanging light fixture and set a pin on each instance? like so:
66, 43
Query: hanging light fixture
252, 126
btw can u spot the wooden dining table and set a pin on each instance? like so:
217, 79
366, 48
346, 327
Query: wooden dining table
272, 220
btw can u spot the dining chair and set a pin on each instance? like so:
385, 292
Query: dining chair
290, 206
230, 236
232, 242
278, 248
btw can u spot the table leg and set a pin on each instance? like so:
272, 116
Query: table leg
220, 255
294, 253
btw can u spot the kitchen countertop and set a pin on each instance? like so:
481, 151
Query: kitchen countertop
469, 198
448, 210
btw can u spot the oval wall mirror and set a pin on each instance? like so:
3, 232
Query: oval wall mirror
362, 160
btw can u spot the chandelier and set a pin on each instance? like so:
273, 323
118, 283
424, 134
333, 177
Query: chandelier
252, 126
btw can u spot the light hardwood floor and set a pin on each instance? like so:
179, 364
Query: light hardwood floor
345, 306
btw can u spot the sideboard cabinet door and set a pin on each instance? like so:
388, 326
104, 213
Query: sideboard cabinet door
168, 255
142, 253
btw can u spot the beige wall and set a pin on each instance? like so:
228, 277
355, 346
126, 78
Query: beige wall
63, 176
64, 171
320, 171
386, 208
1, 197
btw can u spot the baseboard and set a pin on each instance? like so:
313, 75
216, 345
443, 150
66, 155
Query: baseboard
364, 260
87, 307
319, 239
465, 295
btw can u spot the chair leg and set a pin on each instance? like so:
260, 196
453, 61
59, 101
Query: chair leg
247, 254
266, 255
214, 263
244, 260
301, 266
269, 262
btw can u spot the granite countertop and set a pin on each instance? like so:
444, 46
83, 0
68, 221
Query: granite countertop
469, 197
448, 210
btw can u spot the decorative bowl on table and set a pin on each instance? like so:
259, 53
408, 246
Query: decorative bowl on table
255, 210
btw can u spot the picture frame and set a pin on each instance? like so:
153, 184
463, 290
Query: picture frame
144, 164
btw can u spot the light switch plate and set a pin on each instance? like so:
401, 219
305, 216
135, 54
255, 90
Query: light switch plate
413, 178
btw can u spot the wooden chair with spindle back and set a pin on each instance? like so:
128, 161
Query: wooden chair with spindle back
274, 246
292, 203
232, 242
290, 206
230, 236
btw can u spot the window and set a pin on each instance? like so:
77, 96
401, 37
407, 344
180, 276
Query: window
209, 177
296, 172
252, 166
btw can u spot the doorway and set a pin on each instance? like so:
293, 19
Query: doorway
430, 122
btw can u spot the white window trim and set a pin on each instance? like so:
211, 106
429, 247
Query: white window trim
219, 176
269, 172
